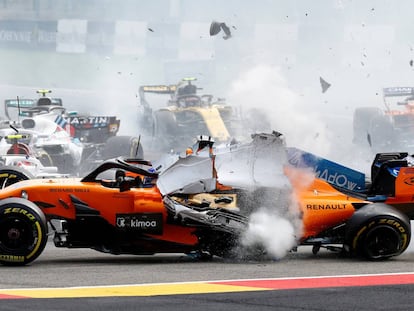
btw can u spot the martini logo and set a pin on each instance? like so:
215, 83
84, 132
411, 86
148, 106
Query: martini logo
88, 120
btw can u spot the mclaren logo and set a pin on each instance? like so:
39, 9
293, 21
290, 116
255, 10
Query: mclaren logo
143, 222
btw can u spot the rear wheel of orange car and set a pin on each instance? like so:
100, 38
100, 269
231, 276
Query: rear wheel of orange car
23, 231
382, 238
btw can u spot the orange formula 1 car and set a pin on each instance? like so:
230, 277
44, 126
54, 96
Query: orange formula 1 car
333, 216
132, 207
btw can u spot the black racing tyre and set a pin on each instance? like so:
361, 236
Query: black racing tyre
45, 158
123, 146
379, 237
12, 175
23, 231
361, 123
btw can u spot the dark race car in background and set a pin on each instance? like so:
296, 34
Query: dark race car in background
177, 113
388, 129
19, 160
88, 140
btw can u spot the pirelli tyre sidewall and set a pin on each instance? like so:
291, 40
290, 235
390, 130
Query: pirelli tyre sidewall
23, 231
12, 175
377, 231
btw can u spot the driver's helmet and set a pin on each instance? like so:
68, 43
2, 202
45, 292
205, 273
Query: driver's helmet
44, 101
186, 88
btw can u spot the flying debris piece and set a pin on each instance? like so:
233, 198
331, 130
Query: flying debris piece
411, 62
215, 28
150, 29
325, 85
369, 140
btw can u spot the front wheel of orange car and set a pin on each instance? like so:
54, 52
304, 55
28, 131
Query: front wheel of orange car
23, 231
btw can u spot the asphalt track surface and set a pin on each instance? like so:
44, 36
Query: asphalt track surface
82, 279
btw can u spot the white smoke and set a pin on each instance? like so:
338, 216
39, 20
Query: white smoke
275, 225
264, 87
275, 233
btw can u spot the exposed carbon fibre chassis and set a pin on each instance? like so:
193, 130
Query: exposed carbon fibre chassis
217, 219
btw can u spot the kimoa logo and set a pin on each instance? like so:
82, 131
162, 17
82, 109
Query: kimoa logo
143, 223
123, 222
120, 222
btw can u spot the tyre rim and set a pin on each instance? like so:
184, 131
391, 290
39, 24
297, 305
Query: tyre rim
16, 235
382, 242
10, 179
6, 181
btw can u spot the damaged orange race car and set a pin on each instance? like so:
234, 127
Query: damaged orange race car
198, 203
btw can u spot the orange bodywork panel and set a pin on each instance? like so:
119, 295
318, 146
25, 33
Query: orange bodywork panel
322, 206
108, 201
404, 191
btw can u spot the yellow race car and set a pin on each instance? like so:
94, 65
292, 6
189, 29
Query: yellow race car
174, 123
